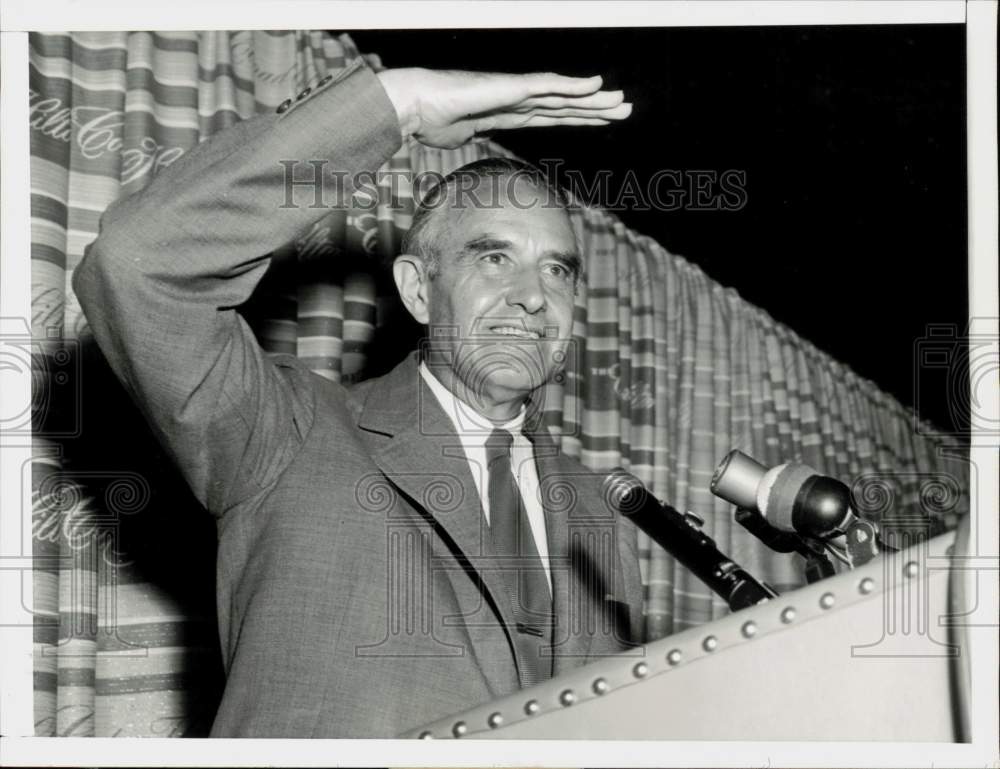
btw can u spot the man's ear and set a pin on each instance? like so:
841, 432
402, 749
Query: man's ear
410, 274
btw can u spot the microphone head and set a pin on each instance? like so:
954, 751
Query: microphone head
777, 494
795, 497
792, 497
623, 491
737, 479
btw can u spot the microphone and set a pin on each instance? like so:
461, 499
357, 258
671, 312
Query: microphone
680, 536
792, 497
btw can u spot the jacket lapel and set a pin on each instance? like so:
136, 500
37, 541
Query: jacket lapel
584, 560
425, 460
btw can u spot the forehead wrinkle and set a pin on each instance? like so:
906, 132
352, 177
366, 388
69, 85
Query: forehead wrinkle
455, 222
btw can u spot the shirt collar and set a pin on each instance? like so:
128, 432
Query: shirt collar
470, 425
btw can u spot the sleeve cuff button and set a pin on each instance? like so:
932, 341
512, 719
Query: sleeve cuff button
283, 107
304, 94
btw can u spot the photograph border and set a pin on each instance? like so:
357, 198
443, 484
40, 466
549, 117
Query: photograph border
15, 530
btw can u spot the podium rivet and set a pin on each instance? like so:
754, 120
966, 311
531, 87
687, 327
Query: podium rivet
749, 629
640, 670
827, 600
710, 643
788, 615
567, 698
866, 585
426, 736
674, 656
495, 720
459, 729
911, 569
600, 686
531, 707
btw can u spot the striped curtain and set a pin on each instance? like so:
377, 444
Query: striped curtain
671, 371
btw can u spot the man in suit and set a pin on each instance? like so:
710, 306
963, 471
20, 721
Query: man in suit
415, 545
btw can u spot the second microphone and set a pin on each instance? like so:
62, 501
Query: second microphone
684, 541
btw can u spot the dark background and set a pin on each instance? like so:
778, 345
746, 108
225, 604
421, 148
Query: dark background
853, 143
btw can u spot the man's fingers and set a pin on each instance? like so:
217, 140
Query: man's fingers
510, 120
599, 100
538, 121
619, 112
543, 83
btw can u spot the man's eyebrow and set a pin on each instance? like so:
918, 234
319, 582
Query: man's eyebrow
486, 243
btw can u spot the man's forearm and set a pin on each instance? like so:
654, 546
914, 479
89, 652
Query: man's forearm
161, 283
213, 216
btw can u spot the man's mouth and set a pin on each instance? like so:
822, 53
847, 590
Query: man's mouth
520, 333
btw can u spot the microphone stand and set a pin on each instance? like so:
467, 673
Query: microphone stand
864, 541
862, 537
818, 565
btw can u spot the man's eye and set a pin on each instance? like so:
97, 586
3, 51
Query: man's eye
494, 258
560, 270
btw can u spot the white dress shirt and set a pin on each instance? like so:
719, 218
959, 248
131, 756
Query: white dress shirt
473, 429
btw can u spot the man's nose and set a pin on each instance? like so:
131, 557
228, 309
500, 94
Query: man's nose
527, 291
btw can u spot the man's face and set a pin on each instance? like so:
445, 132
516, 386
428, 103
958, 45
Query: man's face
501, 304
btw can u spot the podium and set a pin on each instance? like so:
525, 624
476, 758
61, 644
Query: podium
868, 654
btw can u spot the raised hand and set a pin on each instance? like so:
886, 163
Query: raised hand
446, 108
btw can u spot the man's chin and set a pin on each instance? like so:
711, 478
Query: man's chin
509, 385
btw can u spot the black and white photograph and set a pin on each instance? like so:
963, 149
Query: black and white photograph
411, 375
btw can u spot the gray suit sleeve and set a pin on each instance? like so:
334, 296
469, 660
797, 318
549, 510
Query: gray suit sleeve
160, 284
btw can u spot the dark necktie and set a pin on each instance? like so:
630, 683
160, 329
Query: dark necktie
522, 567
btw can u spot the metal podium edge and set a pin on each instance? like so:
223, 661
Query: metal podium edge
600, 678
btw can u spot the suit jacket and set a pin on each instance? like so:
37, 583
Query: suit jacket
357, 592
